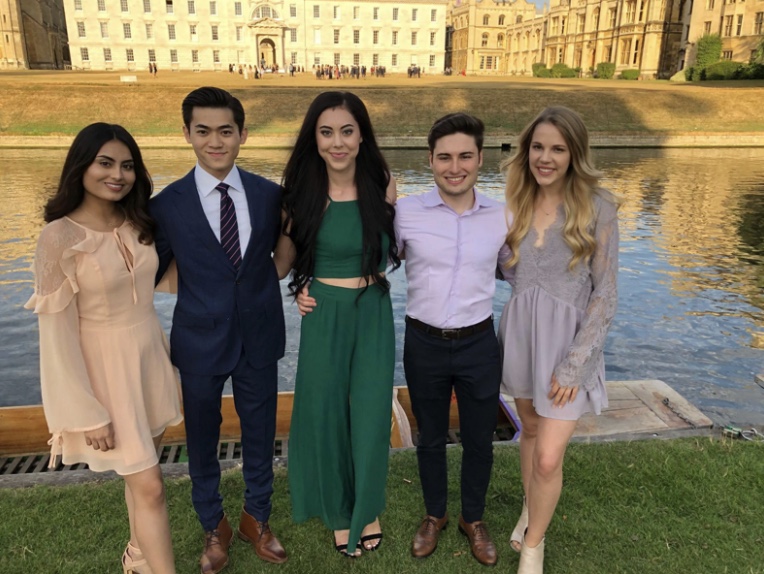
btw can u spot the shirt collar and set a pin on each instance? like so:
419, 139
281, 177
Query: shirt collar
206, 183
432, 199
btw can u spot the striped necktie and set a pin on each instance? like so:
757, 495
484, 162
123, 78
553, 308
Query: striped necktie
229, 228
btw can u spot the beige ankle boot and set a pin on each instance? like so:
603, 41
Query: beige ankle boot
531, 559
516, 540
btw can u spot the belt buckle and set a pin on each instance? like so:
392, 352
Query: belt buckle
449, 334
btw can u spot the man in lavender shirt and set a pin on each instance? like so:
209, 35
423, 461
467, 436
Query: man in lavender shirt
452, 238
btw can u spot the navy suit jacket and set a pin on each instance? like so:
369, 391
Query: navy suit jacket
220, 309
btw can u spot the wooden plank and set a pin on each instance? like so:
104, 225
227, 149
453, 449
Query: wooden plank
42, 465
759, 380
641, 419
27, 464
23, 430
679, 414
13, 465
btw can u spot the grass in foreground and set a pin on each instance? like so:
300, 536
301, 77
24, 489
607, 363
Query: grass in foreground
681, 506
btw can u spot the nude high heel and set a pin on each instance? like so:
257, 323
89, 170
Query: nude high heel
531, 559
516, 540
133, 561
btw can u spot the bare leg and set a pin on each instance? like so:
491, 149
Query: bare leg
530, 423
131, 505
546, 479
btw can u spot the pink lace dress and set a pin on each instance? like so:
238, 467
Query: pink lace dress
556, 320
103, 355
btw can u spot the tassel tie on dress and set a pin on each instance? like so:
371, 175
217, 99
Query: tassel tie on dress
55, 448
128, 257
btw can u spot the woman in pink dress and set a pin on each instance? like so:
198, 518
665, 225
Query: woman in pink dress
564, 243
108, 388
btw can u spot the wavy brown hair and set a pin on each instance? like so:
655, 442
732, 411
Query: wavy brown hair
81, 156
581, 183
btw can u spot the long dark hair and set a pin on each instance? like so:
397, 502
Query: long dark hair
81, 156
306, 193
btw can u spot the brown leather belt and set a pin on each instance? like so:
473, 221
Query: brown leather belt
451, 334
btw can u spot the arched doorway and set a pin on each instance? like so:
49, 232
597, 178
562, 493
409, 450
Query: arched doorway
267, 53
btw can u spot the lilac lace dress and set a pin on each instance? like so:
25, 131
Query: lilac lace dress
556, 321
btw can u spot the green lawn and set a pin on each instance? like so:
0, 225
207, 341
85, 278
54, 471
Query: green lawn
663, 507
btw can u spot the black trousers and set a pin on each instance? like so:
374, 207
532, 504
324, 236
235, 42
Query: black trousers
472, 368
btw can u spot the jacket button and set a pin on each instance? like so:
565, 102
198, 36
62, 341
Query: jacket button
238, 281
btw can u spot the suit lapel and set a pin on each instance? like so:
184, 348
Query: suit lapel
256, 212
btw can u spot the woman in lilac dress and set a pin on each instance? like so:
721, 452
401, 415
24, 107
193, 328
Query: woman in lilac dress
564, 242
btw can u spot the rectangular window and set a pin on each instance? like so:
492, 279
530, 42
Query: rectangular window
707, 27
395, 15
191, 7
237, 9
149, 31
195, 56
316, 11
635, 57
758, 25
433, 15
152, 55
104, 29
612, 15
562, 25
293, 10
432, 38
238, 33
728, 25
375, 59
171, 31
336, 58
84, 55
413, 38
356, 12
727, 55
147, 6
78, 5
414, 13
581, 22
107, 54
336, 12
317, 36
130, 55
216, 56
128, 32
336, 36
316, 59
102, 5
739, 25
356, 36
192, 31
709, 4
375, 13
432, 61
213, 8
356, 59
395, 37
293, 34
394, 57
555, 26
123, 5
375, 37
169, 7
80, 29
174, 56
293, 58
215, 35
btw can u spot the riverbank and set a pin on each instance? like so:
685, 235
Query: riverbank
48, 103
648, 507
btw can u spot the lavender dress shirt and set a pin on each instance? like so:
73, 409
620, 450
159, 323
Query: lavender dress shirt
451, 258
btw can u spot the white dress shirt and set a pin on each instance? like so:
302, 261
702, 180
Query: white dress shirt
205, 185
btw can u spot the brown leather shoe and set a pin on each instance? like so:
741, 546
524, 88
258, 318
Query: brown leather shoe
216, 545
426, 538
483, 548
259, 535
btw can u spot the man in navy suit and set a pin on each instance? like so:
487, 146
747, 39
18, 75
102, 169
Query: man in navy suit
220, 224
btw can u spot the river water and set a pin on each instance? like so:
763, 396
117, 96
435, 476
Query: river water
691, 283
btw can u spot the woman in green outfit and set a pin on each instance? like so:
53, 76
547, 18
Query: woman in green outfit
338, 235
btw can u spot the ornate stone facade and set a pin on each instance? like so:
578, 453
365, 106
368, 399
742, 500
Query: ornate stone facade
33, 34
740, 24
211, 34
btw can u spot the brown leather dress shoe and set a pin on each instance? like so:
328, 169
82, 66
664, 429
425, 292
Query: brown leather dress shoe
426, 538
483, 548
216, 545
259, 535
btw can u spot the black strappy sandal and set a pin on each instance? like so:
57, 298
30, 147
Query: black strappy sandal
369, 538
343, 549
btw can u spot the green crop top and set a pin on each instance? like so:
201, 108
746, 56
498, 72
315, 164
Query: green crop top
339, 242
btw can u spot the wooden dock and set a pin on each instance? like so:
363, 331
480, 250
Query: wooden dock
641, 409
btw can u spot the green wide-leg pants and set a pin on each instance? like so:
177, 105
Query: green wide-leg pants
340, 434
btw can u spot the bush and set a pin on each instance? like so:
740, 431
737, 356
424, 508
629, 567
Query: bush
563, 71
723, 70
688, 71
605, 70
629, 75
544, 73
709, 50
751, 72
537, 67
698, 74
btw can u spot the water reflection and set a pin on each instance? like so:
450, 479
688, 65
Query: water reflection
691, 306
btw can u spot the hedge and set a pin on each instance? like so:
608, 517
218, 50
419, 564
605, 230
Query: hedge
630, 75
605, 70
537, 67
725, 70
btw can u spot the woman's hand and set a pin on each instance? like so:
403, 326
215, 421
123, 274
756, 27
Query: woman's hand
562, 395
305, 302
101, 439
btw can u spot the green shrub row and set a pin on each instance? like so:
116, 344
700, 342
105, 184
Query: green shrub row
605, 70
629, 75
725, 70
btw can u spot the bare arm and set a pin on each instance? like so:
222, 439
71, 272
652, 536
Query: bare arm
285, 253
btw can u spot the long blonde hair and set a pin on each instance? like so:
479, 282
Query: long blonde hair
581, 183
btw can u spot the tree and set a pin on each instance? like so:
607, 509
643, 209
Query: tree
758, 54
709, 50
